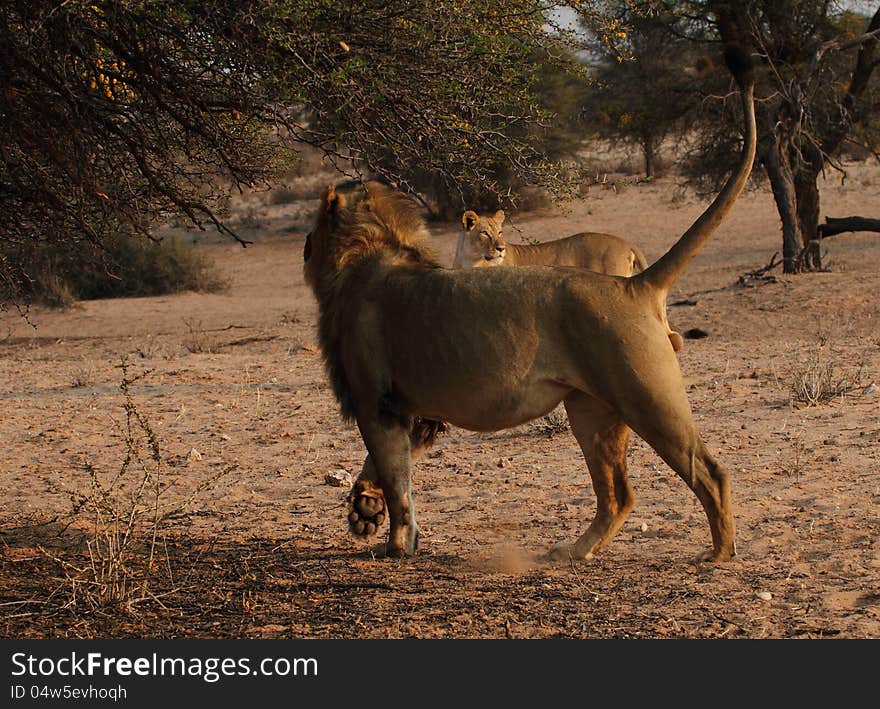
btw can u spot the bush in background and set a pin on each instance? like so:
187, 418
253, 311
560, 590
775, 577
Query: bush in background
58, 274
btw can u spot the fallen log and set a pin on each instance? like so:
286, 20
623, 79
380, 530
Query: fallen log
840, 225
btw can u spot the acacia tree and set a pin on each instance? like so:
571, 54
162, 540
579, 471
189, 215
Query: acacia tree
561, 87
114, 112
817, 88
819, 102
642, 98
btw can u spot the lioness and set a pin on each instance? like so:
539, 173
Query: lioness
481, 244
400, 336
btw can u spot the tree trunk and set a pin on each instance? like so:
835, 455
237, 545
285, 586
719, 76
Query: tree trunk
807, 196
776, 161
648, 150
806, 178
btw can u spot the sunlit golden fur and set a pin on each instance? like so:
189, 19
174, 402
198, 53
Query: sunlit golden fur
481, 244
407, 343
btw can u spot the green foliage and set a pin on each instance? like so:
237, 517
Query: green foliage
560, 86
445, 97
644, 82
115, 112
816, 92
805, 65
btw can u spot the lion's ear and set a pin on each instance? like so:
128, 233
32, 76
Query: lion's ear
469, 219
498, 217
332, 200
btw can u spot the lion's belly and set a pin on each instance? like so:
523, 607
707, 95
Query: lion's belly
498, 417
488, 406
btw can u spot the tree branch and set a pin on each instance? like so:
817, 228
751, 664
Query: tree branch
840, 225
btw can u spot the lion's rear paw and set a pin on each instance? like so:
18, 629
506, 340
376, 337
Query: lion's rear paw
711, 556
366, 508
567, 552
560, 552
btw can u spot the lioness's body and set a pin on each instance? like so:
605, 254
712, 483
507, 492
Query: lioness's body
405, 340
481, 244
602, 253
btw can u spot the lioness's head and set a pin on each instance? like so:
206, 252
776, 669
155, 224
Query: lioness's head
480, 242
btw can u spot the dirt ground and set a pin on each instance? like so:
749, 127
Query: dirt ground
234, 383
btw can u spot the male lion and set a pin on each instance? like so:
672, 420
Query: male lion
400, 336
481, 244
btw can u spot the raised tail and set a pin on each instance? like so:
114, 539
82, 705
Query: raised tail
663, 272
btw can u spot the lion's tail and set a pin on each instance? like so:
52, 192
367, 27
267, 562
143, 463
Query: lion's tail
663, 272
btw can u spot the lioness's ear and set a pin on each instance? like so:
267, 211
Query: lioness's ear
498, 217
469, 220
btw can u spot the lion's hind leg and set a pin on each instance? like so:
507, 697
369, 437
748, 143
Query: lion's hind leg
710, 483
668, 427
603, 438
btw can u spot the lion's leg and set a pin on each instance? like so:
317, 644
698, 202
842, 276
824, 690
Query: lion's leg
673, 435
366, 501
603, 438
389, 462
710, 483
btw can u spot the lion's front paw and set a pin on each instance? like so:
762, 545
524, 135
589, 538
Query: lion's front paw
366, 508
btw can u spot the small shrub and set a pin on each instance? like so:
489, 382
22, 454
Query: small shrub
126, 514
82, 378
821, 378
123, 266
198, 340
532, 198
251, 219
554, 422
795, 465
301, 189
285, 195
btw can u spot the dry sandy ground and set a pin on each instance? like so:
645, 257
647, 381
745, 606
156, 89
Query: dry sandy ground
263, 551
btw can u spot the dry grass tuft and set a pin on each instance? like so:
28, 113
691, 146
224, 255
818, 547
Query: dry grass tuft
822, 377
125, 513
553, 423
